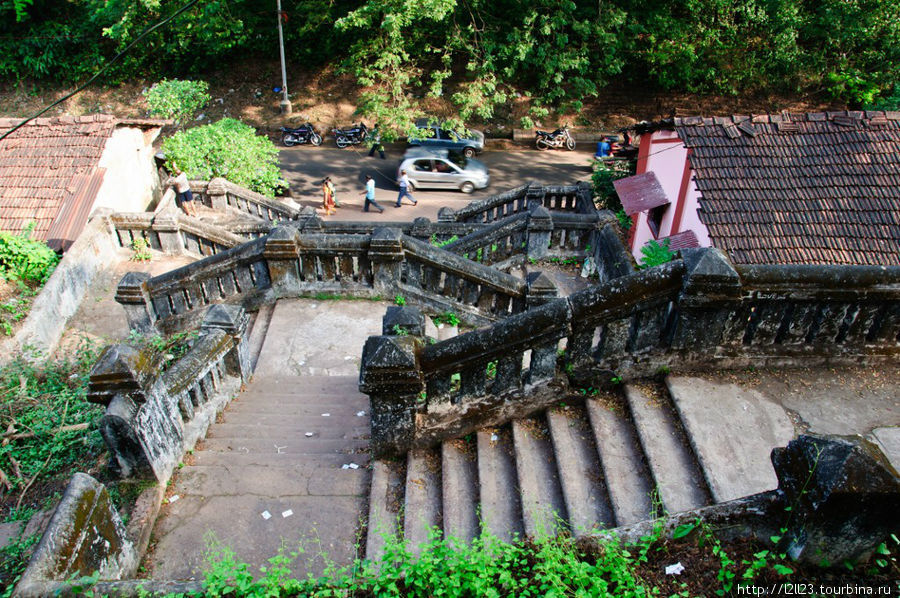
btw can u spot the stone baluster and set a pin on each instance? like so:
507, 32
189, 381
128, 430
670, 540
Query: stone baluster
282, 255
233, 320
710, 295
133, 296
142, 426
386, 255
534, 196
446, 214
421, 228
165, 224
540, 228
217, 191
391, 376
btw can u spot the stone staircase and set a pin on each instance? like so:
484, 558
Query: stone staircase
275, 469
587, 464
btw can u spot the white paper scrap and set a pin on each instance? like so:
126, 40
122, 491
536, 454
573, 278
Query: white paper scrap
360, 413
494, 438
675, 569
348, 357
266, 515
173, 498
287, 513
354, 466
308, 434
345, 466
326, 415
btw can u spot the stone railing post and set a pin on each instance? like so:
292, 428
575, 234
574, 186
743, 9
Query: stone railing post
233, 320
166, 226
281, 254
540, 227
584, 198
843, 496
85, 536
391, 376
386, 255
534, 196
710, 293
446, 214
133, 296
421, 228
142, 426
217, 190
540, 289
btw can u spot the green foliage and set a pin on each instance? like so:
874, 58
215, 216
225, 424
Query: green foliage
171, 347
24, 258
15, 308
624, 219
445, 242
13, 561
227, 148
448, 317
141, 249
176, 99
400, 300
654, 254
604, 172
43, 402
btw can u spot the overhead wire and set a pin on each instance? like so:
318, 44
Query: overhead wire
81, 88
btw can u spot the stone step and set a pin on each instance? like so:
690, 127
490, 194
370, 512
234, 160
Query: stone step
580, 473
329, 429
678, 479
732, 431
422, 503
501, 508
385, 498
459, 474
258, 328
628, 480
543, 507
305, 385
263, 459
303, 479
346, 408
298, 420
274, 446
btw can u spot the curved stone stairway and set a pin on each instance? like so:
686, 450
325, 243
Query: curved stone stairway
594, 463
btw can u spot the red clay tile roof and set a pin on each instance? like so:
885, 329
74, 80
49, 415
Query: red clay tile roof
49, 174
640, 192
686, 239
818, 188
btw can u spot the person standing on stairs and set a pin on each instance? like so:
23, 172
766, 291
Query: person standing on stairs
327, 198
183, 191
370, 195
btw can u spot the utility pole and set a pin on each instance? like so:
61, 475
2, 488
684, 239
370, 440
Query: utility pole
285, 102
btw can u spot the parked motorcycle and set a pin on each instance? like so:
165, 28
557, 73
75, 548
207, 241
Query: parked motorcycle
302, 134
354, 135
558, 138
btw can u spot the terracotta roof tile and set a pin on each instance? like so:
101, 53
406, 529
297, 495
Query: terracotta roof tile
823, 188
48, 170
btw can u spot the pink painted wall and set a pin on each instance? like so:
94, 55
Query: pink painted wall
666, 157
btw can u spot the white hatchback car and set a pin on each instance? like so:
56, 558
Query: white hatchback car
429, 168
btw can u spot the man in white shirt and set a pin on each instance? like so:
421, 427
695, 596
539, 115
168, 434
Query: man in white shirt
404, 190
183, 190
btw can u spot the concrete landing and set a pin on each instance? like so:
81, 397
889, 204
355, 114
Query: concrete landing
271, 471
733, 430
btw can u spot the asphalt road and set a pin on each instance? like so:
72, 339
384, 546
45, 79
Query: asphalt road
305, 167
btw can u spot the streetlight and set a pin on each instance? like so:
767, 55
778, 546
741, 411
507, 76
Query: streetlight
285, 102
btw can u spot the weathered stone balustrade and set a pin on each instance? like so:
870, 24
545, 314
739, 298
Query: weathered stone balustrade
220, 193
291, 263
696, 312
573, 198
172, 232
153, 418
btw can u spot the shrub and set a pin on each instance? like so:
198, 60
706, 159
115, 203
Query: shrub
227, 148
175, 99
24, 258
604, 173
655, 254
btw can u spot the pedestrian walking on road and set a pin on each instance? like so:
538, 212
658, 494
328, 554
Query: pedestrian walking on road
327, 198
376, 143
404, 190
370, 195
334, 198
